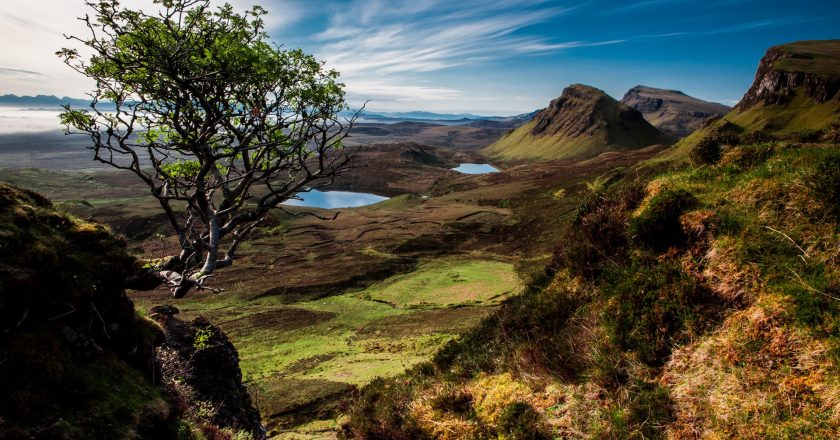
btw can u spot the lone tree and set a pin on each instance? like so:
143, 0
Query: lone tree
221, 125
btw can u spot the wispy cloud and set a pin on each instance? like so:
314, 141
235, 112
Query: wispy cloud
9, 72
378, 44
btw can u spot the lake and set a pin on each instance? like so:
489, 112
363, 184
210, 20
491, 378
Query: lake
476, 168
334, 199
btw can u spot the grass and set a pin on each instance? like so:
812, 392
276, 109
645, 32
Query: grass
444, 283
821, 57
302, 352
730, 331
800, 115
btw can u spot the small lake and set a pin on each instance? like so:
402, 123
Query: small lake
334, 199
476, 168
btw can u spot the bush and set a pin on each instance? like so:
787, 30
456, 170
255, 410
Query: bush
809, 136
520, 421
654, 305
599, 230
380, 410
650, 410
825, 184
748, 156
758, 137
706, 152
658, 226
452, 400
832, 133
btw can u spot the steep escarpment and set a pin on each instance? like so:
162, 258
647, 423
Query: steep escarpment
795, 95
199, 364
583, 122
811, 68
70, 335
76, 361
671, 111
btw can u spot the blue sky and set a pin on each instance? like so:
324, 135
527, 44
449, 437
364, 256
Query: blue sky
494, 56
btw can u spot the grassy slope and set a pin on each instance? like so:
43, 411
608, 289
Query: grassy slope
726, 328
819, 56
521, 144
798, 116
292, 354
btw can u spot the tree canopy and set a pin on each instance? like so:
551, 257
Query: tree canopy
220, 124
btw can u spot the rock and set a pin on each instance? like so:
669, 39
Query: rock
210, 365
671, 111
812, 66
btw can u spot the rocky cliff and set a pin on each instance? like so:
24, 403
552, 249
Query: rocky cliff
583, 122
810, 66
199, 364
671, 111
76, 361
795, 95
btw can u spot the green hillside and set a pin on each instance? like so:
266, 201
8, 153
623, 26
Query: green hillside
796, 95
582, 123
702, 301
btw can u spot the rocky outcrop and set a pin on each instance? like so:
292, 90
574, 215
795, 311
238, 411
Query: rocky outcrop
809, 66
201, 365
582, 111
75, 359
671, 111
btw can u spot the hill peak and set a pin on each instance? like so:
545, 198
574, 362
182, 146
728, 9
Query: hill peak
648, 89
582, 122
672, 111
812, 67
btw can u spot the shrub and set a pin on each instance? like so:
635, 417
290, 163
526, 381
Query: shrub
452, 400
520, 421
757, 137
380, 410
650, 409
599, 230
706, 152
748, 156
832, 133
809, 136
658, 226
825, 184
654, 305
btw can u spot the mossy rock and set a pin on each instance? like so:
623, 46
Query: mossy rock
75, 359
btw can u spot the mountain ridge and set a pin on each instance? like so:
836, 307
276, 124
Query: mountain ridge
582, 123
672, 111
51, 100
782, 101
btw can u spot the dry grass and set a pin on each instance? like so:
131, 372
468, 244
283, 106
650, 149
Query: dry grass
756, 377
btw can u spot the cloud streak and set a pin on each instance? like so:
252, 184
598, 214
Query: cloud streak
378, 46
10, 72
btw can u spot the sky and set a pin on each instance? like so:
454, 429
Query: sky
490, 57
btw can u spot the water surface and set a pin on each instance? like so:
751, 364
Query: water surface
334, 199
476, 168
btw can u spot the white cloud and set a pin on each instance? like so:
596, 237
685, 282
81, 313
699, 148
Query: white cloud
380, 47
31, 32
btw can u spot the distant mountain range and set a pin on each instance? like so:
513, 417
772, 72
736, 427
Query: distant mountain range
444, 118
41, 101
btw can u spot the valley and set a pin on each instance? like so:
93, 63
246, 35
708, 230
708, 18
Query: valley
658, 266
316, 307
